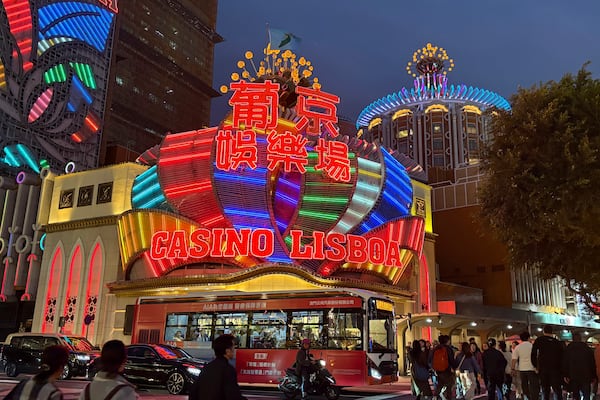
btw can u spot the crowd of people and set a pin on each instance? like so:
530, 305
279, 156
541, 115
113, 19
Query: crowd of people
523, 369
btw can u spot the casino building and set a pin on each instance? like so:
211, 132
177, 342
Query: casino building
442, 127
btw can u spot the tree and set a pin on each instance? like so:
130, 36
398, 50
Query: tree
541, 194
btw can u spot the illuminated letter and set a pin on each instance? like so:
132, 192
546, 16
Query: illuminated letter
336, 251
200, 239
262, 243
178, 248
377, 250
393, 255
216, 250
318, 245
299, 252
158, 247
240, 243
357, 249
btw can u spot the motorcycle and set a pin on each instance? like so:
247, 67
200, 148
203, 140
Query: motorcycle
321, 382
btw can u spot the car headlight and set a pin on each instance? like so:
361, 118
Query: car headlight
82, 357
322, 362
194, 371
375, 374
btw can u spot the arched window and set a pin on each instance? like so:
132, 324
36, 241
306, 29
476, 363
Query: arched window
72, 291
51, 315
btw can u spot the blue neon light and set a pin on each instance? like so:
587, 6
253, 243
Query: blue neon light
146, 191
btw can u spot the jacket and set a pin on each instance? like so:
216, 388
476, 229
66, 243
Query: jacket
217, 381
578, 362
468, 364
31, 389
103, 385
546, 354
494, 363
303, 360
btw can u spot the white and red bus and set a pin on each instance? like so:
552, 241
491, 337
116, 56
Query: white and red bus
352, 330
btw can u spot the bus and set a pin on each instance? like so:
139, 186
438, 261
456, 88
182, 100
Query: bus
353, 331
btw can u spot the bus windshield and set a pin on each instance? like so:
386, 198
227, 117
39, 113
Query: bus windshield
382, 332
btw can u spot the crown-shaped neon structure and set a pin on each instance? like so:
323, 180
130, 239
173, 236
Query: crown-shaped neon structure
276, 65
429, 60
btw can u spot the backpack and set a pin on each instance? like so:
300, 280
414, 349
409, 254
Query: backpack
440, 359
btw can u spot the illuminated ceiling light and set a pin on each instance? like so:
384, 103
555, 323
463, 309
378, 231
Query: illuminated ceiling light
429, 320
473, 323
586, 333
565, 331
539, 329
509, 326
440, 321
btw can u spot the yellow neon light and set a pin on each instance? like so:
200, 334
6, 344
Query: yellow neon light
436, 107
374, 123
473, 109
384, 305
401, 113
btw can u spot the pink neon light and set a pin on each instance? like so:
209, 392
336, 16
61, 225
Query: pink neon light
73, 287
54, 275
93, 283
40, 105
18, 13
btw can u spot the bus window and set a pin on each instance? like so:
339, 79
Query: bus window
309, 325
382, 332
177, 327
344, 330
233, 324
267, 330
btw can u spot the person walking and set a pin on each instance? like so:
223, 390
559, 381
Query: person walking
494, 365
467, 370
419, 371
41, 386
304, 363
546, 357
521, 357
218, 379
507, 376
477, 354
579, 367
109, 384
443, 362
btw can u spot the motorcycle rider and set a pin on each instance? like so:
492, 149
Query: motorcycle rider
304, 363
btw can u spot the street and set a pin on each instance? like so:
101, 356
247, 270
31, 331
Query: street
72, 389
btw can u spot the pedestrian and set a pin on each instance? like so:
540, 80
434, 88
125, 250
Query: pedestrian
304, 365
467, 370
218, 379
41, 386
579, 367
521, 359
477, 354
546, 357
507, 376
109, 384
494, 365
443, 363
419, 371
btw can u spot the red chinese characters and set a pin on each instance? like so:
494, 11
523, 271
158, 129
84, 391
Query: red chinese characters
316, 107
333, 159
233, 150
255, 104
287, 148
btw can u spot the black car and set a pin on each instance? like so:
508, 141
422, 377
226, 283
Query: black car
22, 353
158, 365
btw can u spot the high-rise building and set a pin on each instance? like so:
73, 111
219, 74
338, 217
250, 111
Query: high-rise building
162, 74
443, 127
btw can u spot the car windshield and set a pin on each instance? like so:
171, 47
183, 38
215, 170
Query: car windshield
79, 343
171, 352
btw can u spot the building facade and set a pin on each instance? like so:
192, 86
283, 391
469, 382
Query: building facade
443, 127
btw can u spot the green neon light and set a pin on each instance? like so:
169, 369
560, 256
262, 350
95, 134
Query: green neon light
85, 74
55, 74
319, 215
320, 199
314, 155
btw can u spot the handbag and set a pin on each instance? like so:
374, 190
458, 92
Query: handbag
457, 371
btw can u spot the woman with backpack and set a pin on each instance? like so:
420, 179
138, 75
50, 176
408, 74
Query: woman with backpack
467, 370
419, 371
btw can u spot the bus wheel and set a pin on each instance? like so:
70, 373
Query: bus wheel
332, 392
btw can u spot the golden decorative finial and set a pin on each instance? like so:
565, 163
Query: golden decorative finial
429, 60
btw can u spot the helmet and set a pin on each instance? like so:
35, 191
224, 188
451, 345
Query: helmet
305, 341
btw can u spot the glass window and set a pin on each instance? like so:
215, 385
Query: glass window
177, 327
471, 128
308, 324
268, 330
382, 329
235, 324
202, 327
438, 144
473, 145
438, 160
344, 330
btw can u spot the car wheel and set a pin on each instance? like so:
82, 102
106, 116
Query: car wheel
66, 372
332, 392
175, 383
11, 369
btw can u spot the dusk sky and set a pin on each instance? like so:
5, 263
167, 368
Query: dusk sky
360, 49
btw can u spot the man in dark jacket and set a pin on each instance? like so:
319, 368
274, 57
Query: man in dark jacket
304, 366
218, 379
494, 364
579, 367
546, 356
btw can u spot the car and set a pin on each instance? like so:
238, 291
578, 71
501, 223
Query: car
22, 353
158, 365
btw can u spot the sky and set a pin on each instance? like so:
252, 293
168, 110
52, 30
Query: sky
360, 49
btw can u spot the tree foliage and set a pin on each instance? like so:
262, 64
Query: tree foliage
541, 194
